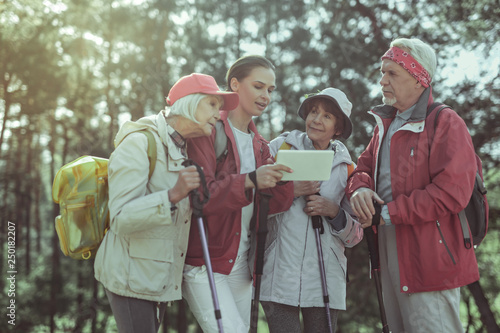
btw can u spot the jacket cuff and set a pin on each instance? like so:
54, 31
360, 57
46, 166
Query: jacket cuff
338, 222
385, 215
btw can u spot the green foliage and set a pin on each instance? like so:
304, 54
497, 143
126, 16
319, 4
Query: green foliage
72, 71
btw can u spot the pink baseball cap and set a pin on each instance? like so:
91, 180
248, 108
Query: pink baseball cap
202, 84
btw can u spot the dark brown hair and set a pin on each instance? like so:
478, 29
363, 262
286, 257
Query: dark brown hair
244, 65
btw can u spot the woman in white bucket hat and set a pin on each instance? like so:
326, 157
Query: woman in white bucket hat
291, 281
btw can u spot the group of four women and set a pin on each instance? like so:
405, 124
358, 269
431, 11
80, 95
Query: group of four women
152, 254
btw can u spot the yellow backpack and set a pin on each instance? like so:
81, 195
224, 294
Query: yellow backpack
81, 190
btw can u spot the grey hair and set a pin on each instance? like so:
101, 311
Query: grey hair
422, 52
186, 106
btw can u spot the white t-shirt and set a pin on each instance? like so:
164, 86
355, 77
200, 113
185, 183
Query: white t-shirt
244, 143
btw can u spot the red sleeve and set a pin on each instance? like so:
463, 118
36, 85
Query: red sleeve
227, 192
363, 174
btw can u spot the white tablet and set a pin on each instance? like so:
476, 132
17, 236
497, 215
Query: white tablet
306, 164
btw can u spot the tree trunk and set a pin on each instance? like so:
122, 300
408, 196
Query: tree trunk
7, 100
239, 36
95, 302
38, 217
17, 143
6, 209
54, 241
487, 316
28, 189
55, 277
80, 312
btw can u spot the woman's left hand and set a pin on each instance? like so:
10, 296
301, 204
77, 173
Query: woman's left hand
318, 205
301, 188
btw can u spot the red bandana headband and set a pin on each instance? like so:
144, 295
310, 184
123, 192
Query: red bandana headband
405, 60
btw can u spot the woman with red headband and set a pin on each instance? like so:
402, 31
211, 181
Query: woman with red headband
422, 173
141, 258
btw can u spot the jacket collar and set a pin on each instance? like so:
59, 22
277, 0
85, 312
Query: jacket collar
251, 126
418, 114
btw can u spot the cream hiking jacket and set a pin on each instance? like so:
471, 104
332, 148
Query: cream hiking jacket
142, 255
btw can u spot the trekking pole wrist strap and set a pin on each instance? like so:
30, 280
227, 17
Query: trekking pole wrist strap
253, 177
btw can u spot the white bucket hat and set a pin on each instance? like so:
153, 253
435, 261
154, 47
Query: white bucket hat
340, 100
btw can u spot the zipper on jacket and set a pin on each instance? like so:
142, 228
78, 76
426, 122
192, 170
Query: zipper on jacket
341, 268
412, 152
444, 242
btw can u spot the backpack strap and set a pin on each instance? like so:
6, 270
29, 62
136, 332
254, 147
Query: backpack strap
152, 154
465, 229
350, 169
284, 146
220, 141
430, 110
461, 215
468, 241
435, 106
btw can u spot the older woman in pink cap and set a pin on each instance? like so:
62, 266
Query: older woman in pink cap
141, 258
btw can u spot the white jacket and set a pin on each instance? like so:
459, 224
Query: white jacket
291, 273
142, 255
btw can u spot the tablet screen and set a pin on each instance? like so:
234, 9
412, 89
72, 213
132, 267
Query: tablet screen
306, 164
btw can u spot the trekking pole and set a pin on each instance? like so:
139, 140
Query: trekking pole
372, 242
317, 224
198, 213
259, 260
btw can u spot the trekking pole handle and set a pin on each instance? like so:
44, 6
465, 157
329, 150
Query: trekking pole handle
317, 223
195, 195
370, 238
262, 231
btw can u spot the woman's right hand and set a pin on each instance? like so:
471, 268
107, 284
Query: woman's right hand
267, 176
189, 179
301, 188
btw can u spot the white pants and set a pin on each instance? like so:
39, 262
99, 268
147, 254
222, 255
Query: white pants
435, 311
234, 293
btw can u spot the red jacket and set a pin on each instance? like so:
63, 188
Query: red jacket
428, 190
222, 213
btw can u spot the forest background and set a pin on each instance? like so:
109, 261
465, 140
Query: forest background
72, 71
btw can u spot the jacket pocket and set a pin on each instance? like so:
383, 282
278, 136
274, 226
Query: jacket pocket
444, 243
151, 265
